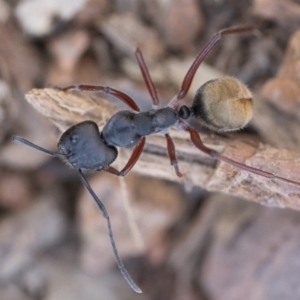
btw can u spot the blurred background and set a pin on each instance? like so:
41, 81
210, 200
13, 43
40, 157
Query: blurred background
186, 243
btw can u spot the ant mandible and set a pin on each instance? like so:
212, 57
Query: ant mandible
221, 105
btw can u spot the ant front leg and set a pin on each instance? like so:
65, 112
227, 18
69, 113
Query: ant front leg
106, 89
195, 138
136, 153
202, 55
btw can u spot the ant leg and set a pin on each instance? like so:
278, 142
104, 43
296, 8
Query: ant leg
134, 157
195, 137
106, 89
131, 162
112, 240
111, 170
146, 76
172, 155
202, 55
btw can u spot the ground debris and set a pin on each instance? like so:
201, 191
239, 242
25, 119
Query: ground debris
177, 245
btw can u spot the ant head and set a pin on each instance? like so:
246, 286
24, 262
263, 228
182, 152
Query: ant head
83, 147
223, 104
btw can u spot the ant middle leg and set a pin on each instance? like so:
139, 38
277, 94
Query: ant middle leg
106, 89
147, 78
172, 154
196, 140
136, 153
202, 55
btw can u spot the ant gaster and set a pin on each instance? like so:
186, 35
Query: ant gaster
220, 105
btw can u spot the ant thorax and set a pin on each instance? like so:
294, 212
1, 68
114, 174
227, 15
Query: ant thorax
126, 128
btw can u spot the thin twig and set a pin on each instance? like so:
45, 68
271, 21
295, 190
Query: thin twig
65, 109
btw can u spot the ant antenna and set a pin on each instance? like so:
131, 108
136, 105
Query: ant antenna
20, 140
112, 241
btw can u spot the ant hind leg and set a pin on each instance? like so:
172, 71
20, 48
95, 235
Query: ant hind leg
196, 140
202, 55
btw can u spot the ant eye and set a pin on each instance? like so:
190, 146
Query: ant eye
74, 138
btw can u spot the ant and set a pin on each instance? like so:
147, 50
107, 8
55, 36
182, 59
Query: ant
221, 105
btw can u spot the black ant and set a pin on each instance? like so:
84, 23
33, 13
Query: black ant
220, 105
